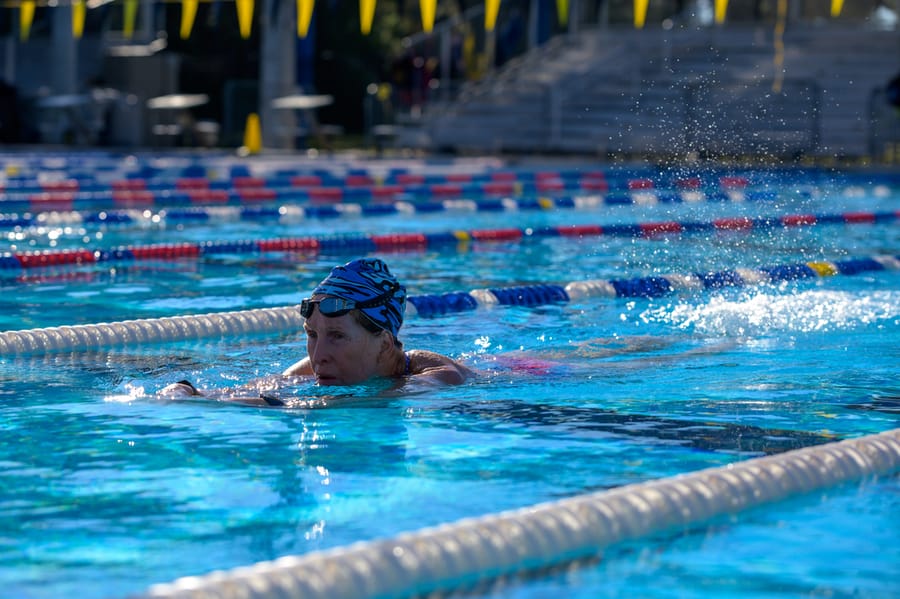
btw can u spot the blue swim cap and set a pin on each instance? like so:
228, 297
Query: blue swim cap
368, 280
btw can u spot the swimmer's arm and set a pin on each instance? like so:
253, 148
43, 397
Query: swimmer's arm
255, 393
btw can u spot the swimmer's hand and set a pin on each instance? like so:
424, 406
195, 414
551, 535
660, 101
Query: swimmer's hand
255, 394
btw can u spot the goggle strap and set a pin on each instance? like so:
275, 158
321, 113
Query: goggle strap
307, 305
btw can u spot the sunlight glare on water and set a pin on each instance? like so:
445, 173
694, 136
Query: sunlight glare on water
763, 313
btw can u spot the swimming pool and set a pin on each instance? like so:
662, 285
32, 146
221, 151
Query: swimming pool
108, 490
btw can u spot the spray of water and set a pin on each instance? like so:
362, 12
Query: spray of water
764, 313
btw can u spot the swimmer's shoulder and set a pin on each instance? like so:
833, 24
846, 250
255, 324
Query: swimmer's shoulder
437, 367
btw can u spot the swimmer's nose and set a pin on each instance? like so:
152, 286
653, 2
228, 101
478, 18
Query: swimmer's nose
318, 357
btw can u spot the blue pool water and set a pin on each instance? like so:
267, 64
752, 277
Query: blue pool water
108, 489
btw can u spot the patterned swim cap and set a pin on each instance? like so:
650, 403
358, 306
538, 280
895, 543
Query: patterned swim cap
368, 280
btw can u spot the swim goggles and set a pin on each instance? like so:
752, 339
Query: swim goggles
333, 307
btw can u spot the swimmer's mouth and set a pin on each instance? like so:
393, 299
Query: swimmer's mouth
326, 380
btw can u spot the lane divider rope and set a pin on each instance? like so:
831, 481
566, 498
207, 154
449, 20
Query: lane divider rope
482, 180
87, 337
131, 209
419, 241
421, 197
288, 319
486, 548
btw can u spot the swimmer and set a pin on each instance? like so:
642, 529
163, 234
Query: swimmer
352, 321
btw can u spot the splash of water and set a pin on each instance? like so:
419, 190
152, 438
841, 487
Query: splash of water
765, 313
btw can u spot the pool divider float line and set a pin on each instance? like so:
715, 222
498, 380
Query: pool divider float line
460, 555
432, 185
252, 205
88, 337
244, 193
419, 241
501, 179
643, 287
165, 172
287, 319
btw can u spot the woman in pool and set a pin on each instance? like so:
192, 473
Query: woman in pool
352, 322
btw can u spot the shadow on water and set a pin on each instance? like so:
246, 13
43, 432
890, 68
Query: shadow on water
889, 404
703, 435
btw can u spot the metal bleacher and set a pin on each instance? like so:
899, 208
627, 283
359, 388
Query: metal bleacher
684, 91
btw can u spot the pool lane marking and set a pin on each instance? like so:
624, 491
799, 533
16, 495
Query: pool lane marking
356, 243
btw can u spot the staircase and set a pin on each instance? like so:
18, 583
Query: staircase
681, 92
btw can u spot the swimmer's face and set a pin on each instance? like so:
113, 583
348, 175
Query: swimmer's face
341, 351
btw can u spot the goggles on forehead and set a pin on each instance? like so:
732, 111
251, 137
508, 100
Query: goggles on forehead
332, 307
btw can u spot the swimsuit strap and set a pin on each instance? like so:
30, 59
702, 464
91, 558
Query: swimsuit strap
408, 370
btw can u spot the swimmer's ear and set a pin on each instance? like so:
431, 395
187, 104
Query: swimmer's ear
387, 343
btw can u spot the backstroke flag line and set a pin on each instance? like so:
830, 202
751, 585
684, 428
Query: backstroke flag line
304, 16
640, 13
245, 17
491, 8
188, 14
26, 16
366, 14
78, 14
427, 8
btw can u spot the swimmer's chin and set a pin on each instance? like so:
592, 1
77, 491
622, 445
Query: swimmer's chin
330, 381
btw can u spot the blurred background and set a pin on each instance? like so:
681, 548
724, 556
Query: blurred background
684, 78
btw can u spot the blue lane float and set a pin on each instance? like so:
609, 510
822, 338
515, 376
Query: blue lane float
288, 319
648, 287
69, 184
231, 205
361, 243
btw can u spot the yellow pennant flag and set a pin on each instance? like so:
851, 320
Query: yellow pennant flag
427, 8
188, 14
253, 134
836, 6
491, 8
78, 13
26, 16
721, 9
304, 16
640, 13
562, 11
366, 14
245, 17
129, 17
